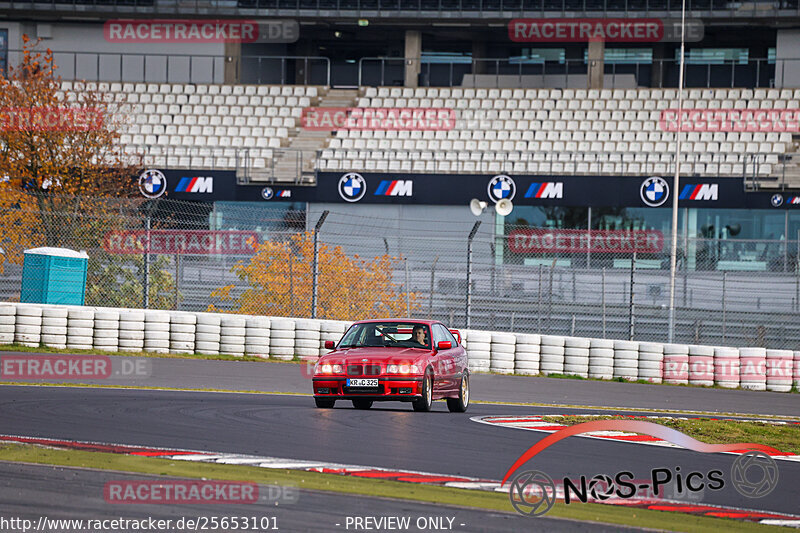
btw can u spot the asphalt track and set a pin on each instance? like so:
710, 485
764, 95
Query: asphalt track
32, 491
295, 378
389, 435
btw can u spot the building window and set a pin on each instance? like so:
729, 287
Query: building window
715, 56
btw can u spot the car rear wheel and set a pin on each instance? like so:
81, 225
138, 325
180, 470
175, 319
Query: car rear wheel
425, 403
460, 404
323, 403
362, 404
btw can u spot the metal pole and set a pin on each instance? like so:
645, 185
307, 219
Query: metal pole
674, 241
146, 280
469, 273
724, 282
315, 266
589, 240
539, 329
408, 301
430, 299
603, 298
177, 277
631, 310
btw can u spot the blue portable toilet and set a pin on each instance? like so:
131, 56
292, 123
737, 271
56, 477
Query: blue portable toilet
54, 276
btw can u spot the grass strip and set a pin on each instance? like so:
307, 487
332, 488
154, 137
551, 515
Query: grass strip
780, 435
492, 501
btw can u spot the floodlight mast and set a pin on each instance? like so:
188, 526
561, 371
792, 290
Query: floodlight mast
673, 252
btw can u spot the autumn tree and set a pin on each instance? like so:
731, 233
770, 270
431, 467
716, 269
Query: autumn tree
279, 283
60, 160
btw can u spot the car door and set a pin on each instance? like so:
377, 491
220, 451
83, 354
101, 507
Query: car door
445, 360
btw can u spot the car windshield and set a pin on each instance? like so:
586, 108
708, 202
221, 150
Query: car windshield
388, 335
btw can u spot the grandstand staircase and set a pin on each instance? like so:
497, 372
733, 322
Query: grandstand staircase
296, 163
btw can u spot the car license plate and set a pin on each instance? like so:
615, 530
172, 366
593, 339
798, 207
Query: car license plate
360, 382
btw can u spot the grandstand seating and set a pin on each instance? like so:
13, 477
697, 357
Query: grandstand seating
531, 131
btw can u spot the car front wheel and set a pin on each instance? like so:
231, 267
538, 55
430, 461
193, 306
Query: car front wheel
460, 404
425, 403
323, 403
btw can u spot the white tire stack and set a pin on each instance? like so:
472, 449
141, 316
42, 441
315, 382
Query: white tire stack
329, 330
156, 331
676, 364
753, 368
182, 332
306, 339
551, 358
601, 358
256, 336
797, 370
779, 370
8, 321
701, 365
576, 356
651, 361
28, 325
80, 328
131, 330
502, 352
726, 367
232, 335
207, 333
54, 326
106, 330
479, 350
626, 360
527, 354
281, 340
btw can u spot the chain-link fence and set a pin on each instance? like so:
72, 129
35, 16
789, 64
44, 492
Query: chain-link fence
262, 259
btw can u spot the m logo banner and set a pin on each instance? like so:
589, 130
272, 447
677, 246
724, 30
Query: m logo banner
702, 191
395, 188
547, 189
196, 184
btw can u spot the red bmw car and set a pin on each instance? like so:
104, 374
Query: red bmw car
405, 360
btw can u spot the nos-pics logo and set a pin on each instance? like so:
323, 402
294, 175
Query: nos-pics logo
152, 183
352, 187
654, 191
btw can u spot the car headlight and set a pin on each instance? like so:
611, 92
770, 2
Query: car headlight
328, 369
402, 369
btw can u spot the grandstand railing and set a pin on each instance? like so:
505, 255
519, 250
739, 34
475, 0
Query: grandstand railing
186, 68
418, 8
522, 72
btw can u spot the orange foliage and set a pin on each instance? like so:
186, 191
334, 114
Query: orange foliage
280, 283
51, 177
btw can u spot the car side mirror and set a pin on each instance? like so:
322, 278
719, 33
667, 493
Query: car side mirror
444, 345
330, 345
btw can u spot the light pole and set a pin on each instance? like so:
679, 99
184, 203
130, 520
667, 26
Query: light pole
673, 251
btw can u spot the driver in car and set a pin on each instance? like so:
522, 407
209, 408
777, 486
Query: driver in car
418, 336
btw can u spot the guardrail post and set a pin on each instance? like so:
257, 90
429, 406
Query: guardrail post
469, 274
315, 266
631, 309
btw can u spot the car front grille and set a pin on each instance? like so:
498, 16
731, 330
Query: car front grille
354, 370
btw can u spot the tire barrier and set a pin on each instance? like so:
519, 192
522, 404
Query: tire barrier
527, 354
54, 327
256, 336
136, 330
502, 350
232, 335
726, 367
626, 360
551, 360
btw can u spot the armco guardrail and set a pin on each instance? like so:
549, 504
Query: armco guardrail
136, 330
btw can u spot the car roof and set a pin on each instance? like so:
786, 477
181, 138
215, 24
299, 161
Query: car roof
411, 320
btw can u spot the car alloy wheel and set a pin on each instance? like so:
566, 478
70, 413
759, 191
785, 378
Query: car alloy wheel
460, 404
425, 403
